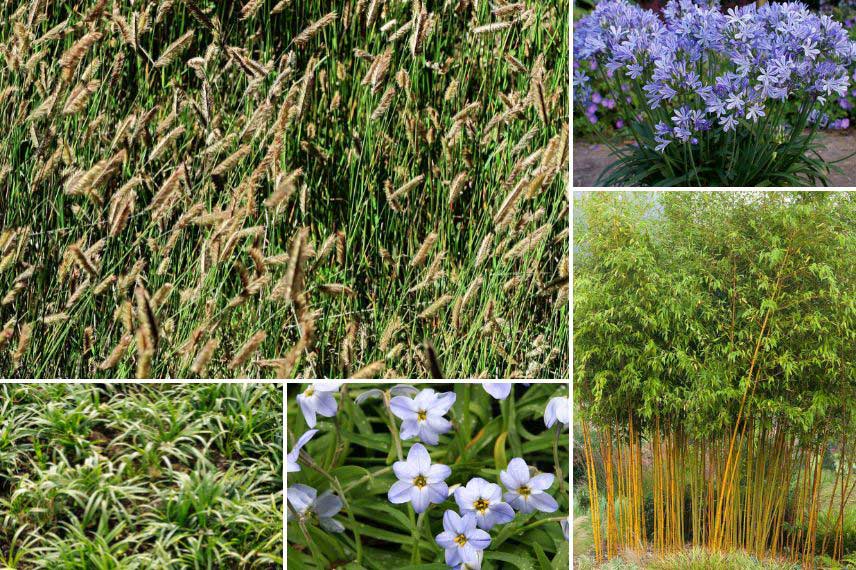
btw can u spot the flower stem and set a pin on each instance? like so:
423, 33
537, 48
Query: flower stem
559, 474
319, 560
416, 558
542, 521
365, 478
334, 482
392, 428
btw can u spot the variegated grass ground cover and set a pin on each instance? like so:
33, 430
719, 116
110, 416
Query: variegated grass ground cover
191, 188
155, 476
352, 461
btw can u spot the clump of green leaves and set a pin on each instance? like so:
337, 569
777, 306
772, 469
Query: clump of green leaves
140, 476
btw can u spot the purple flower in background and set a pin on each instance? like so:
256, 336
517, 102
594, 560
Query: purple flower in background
291, 464
619, 124
318, 399
755, 111
728, 122
484, 500
499, 390
419, 482
423, 415
461, 539
305, 502
526, 493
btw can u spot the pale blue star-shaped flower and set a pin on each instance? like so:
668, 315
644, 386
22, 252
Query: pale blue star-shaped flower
558, 409
423, 415
306, 503
419, 482
484, 500
499, 390
526, 493
291, 464
461, 539
318, 399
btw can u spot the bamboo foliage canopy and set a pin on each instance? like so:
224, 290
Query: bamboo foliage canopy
708, 308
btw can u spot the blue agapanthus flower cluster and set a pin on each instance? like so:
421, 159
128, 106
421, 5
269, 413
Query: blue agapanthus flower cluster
700, 69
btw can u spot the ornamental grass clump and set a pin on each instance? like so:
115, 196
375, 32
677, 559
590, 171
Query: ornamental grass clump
710, 91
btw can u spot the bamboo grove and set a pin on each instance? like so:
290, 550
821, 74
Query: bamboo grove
714, 338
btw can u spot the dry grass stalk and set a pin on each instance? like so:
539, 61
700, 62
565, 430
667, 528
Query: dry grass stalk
203, 357
291, 283
456, 187
117, 353
148, 323
484, 250
163, 201
384, 104
24, 337
337, 289
175, 49
435, 307
285, 186
70, 59
306, 35
528, 243
246, 351
231, 161
370, 371
424, 249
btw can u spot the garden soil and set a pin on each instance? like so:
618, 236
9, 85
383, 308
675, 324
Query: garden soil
591, 158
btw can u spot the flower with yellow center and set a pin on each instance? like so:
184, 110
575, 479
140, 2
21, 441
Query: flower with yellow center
422, 415
525, 492
420, 483
318, 399
463, 542
484, 500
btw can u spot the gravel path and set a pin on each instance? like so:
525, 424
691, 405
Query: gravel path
590, 159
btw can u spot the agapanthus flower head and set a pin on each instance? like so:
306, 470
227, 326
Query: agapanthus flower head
499, 390
527, 493
318, 399
461, 539
484, 500
730, 67
309, 506
419, 482
291, 464
423, 415
558, 410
